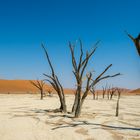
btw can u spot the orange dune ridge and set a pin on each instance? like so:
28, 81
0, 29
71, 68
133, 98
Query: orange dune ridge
24, 86
137, 91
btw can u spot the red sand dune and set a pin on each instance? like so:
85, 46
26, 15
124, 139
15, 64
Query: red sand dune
136, 91
23, 86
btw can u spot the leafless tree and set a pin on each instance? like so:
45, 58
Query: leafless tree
136, 41
117, 106
40, 85
104, 90
108, 92
92, 90
54, 81
112, 92
78, 70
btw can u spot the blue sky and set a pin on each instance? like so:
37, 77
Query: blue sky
25, 24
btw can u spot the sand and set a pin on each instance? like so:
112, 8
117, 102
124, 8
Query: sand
25, 86
26, 117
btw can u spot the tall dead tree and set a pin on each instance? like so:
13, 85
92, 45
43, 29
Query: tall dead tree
78, 70
40, 85
136, 41
54, 81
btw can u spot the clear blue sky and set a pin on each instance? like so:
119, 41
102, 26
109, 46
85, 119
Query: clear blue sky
25, 24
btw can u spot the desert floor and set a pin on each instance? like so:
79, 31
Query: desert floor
26, 117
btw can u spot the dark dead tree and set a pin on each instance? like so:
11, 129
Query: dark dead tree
104, 91
39, 85
112, 92
117, 106
102, 77
136, 41
54, 81
78, 70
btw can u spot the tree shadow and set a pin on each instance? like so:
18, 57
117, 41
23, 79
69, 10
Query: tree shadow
81, 123
73, 122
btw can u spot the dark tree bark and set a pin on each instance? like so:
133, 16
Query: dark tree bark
118, 100
136, 41
112, 92
78, 70
40, 85
104, 91
53, 80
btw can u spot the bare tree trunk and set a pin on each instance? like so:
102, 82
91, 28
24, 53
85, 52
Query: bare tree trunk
64, 109
40, 85
117, 106
94, 96
103, 95
92, 90
53, 80
112, 92
111, 96
78, 109
41, 95
104, 90
75, 103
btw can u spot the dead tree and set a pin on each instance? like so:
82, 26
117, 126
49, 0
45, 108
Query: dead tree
112, 92
104, 91
136, 41
54, 81
101, 77
108, 92
78, 70
92, 90
117, 106
40, 85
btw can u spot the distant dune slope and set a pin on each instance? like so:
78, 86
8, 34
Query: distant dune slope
22, 86
135, 91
